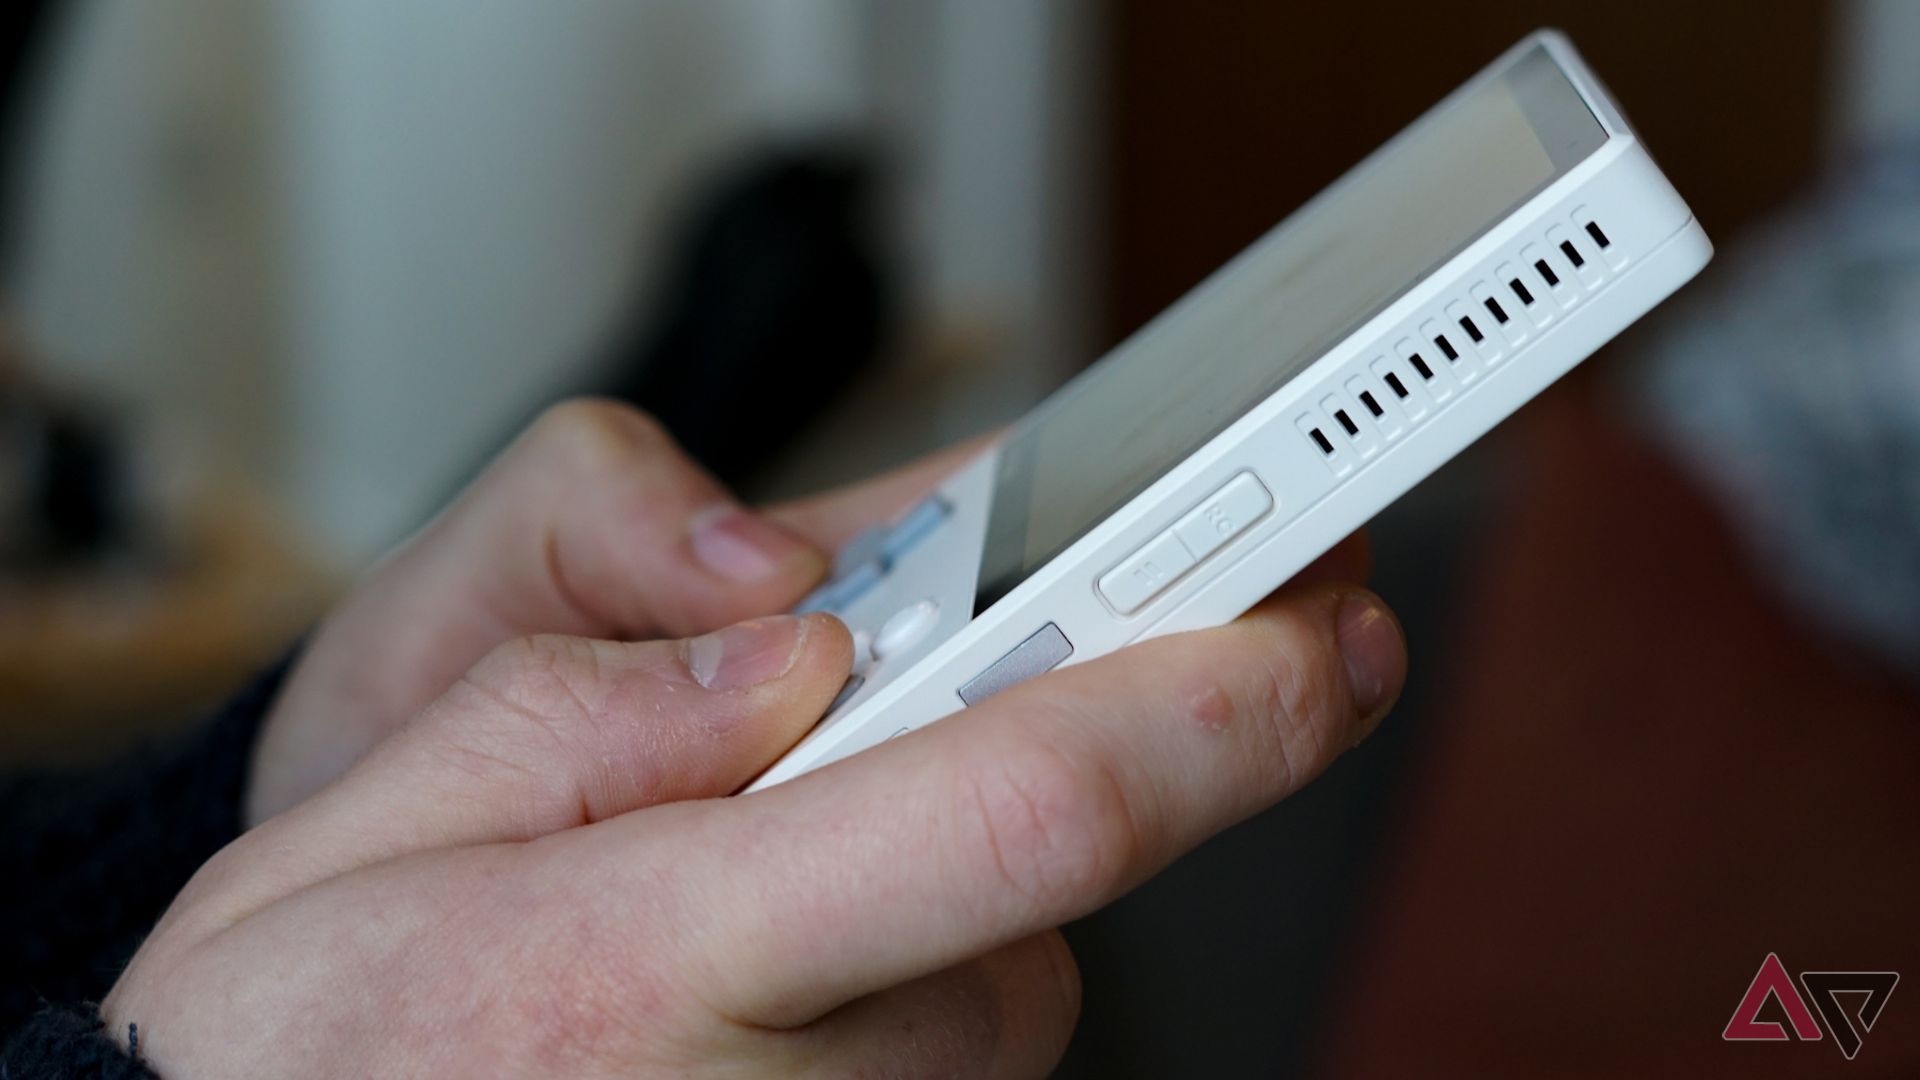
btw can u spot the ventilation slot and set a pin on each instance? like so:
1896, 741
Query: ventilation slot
1509, 295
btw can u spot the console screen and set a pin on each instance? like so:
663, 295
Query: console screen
1265, 317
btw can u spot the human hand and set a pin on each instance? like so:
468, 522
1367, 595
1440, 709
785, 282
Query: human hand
532, 878
592, 524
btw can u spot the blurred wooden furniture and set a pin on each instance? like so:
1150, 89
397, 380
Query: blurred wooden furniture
92, 659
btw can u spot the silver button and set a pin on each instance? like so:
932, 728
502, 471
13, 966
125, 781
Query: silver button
1040, 653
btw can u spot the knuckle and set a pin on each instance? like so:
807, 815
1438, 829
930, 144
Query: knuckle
577, 719
543, 673
1054, 831
597, 433
547, 683
1296, 691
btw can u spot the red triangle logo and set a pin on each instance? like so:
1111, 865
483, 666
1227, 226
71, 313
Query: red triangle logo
1771, 979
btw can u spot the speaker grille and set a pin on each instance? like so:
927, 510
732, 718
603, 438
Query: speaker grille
1387, 395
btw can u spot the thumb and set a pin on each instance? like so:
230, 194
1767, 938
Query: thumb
548, 733
593, 523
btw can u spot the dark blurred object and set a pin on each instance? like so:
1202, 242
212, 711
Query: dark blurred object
62, 499
1659, 774
26, 27
1790, 384
60, 492
775, 299
1227, 121
123, 612
95, 855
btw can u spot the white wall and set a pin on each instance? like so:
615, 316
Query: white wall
147, 265
412, 219
470, 184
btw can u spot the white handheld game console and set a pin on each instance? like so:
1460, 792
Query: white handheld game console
1392, 320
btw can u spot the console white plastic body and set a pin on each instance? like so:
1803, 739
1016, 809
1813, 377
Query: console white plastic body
1318, 498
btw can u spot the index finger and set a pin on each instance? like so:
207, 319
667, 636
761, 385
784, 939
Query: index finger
1033, 809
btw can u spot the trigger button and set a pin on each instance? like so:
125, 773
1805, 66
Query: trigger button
837, 595
865, 547
913, 528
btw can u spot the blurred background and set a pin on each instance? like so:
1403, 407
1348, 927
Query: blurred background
277, 278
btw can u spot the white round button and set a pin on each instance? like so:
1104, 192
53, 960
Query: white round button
904, 628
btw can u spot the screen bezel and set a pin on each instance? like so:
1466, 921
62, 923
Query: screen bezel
1569, 131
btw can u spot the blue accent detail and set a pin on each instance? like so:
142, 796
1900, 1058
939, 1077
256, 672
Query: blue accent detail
914, 528
864, 547
840, 593
870, 556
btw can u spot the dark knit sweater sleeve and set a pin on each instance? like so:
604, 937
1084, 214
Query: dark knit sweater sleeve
66, 1042
92, 858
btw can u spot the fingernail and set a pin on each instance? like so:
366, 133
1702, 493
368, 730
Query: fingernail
741, 547
747, 653
1370, 645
